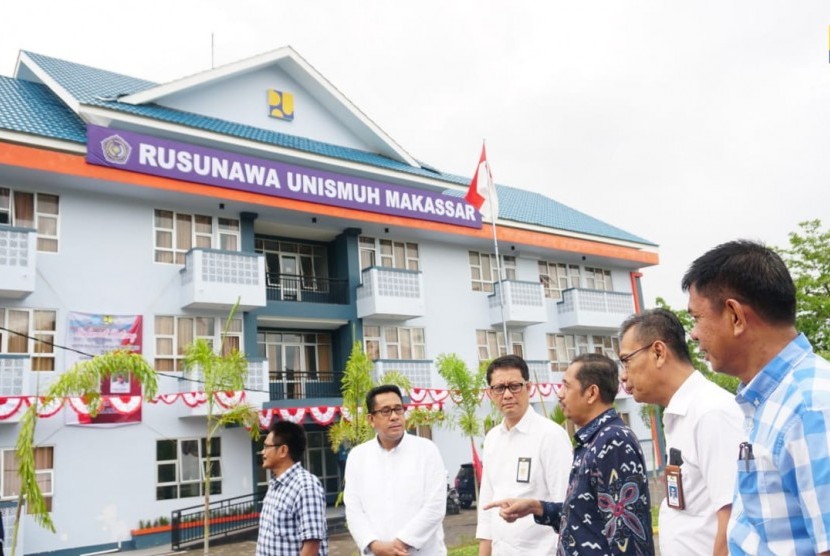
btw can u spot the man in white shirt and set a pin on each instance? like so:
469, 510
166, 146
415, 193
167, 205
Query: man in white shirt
396, 485
525, 456
703, 427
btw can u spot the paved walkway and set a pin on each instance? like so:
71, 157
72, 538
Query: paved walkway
458, 529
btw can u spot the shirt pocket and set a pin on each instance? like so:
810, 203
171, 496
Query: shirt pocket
757, 476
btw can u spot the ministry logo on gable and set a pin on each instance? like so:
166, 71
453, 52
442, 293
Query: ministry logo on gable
116, 150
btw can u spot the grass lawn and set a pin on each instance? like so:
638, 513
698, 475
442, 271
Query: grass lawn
466, 550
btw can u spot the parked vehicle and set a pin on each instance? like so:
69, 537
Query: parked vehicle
465, 484
453, 501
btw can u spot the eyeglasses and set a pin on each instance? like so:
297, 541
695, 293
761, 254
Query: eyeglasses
387, 411
625, 359
514, 387
266, 445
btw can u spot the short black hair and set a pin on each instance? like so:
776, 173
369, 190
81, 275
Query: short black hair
747, 271
382, 389
292, 435
600, 370
659, 324
508, 362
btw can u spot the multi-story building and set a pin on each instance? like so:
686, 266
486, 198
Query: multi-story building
143, 213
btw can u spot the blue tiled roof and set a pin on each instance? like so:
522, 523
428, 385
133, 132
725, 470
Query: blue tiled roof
95, 87
27, 107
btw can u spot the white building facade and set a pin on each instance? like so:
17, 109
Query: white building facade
145, 212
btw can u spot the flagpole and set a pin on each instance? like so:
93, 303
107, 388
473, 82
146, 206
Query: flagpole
491, 196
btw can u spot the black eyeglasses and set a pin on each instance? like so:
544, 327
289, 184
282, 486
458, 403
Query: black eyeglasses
266, 445
514, 387
624, 359
387, 411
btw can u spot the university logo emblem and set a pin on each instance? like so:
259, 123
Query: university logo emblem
281, 105
116, 150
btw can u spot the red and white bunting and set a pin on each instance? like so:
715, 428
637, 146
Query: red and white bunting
169, 399
192, 399
293, 414
417, 395
438, 394
125, 405
323, 415
10, 406
266, 416
545, 388
47, 409
82, 408
229, 400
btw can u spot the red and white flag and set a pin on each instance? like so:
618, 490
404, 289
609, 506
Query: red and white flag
482, 191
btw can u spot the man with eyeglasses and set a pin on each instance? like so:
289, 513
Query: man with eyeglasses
703, 427
607, 508
525, 456
293, 516
396, 485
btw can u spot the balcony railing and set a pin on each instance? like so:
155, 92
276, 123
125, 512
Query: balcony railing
419, 372
300, 385
309, 289
213, 279
524, 303
390, 293
582, 309
256, 385
18, 257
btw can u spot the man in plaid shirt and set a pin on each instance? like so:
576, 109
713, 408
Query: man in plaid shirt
742, 300
293, 517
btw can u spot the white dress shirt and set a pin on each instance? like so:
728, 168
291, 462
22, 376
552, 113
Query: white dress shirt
550, 453
397, 494
705, 423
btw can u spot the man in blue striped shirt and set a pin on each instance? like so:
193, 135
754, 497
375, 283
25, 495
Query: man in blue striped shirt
742, 300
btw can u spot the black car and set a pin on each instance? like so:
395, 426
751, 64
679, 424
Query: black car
465, 484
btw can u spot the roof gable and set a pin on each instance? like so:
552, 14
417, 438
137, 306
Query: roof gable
323, 112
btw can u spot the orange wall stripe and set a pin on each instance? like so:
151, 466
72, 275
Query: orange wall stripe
76, 165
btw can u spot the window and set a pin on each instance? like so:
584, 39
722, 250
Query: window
301, 261
32, 333
394, 342
387, 253
44, 474
181, 466
562, 348
598, 279
557, 277
491, 344
294, 360
176, 233
174, 334
483, 270
32, 210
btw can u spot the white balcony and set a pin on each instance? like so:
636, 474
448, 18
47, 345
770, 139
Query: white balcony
213, 279
256, 389
389, 293
539, 371
583, 310
524, 303
15, 381
419, 372
18, 257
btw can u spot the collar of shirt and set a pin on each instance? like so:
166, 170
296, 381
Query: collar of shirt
767, 380
586, 433
523, 426
383, 450
283, 478
682, 398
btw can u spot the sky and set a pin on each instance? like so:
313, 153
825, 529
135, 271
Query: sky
686, 123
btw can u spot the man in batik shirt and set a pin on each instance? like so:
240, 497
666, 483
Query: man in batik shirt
607, 509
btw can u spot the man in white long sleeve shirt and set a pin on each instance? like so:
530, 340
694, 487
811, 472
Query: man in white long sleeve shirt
525, 456
396, 490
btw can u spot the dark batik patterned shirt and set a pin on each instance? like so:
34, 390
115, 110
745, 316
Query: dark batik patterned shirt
607, 509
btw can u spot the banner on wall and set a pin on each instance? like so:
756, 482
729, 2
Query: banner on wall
95, 334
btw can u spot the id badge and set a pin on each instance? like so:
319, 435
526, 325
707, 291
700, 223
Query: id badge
523, 470
674, 487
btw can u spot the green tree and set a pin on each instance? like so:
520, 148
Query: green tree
808, 258
466, 391
225, 372
82, 380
